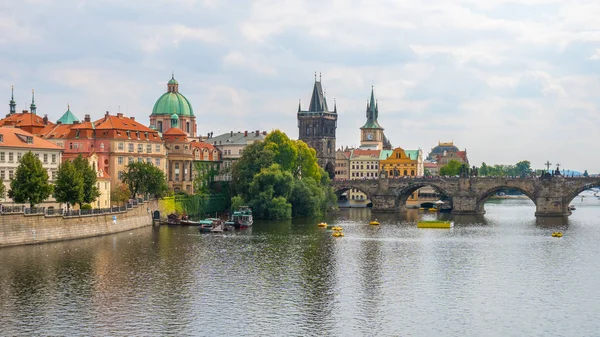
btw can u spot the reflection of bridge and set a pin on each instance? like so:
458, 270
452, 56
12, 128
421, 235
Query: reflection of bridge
551, 195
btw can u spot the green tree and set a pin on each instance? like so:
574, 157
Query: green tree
142, 178
90, 190
483, 170
30, 183
451, 169
119, 194
205, 176
236, 202
523, 169
69, 186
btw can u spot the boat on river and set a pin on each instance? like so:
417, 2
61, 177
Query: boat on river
242, 218
435, 224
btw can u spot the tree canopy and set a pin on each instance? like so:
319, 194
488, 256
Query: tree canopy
280, 178
69, 185
451, 169
520, 169
30, 183
90, 190
142, 177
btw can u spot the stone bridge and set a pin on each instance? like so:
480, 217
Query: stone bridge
551, 195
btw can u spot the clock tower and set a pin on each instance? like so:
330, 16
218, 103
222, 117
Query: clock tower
371, 134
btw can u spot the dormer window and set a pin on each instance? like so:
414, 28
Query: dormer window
29, 140
77, 134
1, 138
137, 134
128, 134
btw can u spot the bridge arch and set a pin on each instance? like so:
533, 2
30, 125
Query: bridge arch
482, 197
404, 193
578, 189
341, 189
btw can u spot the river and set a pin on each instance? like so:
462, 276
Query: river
501, 274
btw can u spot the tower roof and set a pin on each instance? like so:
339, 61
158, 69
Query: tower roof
172, 102
318, 102
68, 117
372, 113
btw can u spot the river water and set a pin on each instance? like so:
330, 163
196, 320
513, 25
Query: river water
501, 274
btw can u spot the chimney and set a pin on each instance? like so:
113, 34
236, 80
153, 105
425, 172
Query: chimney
245, 133
265, 133
87, 118
106, 114
231, 134
58, 123
45, 119
25, 111
132, 118
119, 114
256, 133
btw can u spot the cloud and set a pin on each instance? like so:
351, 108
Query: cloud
507, 80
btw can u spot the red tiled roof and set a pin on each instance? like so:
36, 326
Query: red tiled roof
14, 137
372, 153
203, 145
23, 119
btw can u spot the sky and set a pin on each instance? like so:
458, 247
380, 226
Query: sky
505, 80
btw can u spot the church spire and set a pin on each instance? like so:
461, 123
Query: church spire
317, 100
33, 107
299, 105
12, 104
372, 112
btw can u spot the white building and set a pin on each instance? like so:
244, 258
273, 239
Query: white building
14, 143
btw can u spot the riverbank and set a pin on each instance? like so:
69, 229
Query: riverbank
25, 229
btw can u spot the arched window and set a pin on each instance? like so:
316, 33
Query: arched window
405, 172
187, 127
159, 126
412, 172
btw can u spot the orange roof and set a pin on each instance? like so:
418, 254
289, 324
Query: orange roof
116, 127
57, 131
14, 137
203, 145
23, 119
372, 153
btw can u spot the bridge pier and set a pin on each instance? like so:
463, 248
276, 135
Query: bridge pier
384, 203
551, 207
467, 205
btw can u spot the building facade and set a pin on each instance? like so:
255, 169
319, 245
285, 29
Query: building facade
14, 143
444, 152
317, 127
231, 147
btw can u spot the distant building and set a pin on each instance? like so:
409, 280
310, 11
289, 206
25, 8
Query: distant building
342, 164
231, 146
14, 143
400, 163
445, 152
317, 128
173, 103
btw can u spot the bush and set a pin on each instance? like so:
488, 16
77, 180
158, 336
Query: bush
86, 206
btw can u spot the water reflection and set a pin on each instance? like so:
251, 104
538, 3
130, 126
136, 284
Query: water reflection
292, 278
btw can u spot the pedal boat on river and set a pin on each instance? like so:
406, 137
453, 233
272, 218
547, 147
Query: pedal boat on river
435, 224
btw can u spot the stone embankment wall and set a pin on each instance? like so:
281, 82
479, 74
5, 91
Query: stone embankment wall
22, 229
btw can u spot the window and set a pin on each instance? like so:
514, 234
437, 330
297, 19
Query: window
2, 175
140, 160
77, 134
10, 157
159, 126
1, 138
120, 160
2, 156
137, 134
53, 158
130, 147
140, 148
101, 146
157, 162
128, 134
149, 148
121, 147
19, 154
45, 158
129, 160
187, 126
29, 140
149, 160
10, 174
120, 175
53, 175
157, 148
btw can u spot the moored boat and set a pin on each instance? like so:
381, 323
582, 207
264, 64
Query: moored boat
207, 225
242, 218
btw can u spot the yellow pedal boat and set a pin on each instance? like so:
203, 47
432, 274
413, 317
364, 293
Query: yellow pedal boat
337, 234
374, 223
322, 224
336, 228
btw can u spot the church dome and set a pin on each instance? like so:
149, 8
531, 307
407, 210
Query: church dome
172, 102
441, 148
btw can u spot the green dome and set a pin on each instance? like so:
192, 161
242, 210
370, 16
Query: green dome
172, 81
173, 102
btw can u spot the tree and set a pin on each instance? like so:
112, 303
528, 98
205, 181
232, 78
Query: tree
120, 194
523, 169
451, 169
69, 185
30, 183
483, 170
142, 177
205, 176
90, 190
236, 202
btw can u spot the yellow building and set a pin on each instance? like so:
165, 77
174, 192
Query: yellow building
399, 163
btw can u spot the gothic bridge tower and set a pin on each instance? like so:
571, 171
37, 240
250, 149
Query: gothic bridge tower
316, 127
